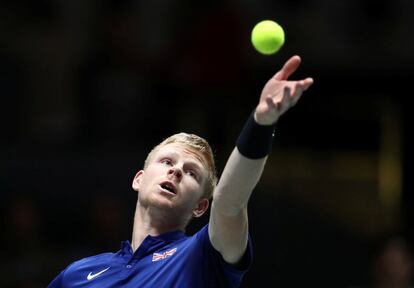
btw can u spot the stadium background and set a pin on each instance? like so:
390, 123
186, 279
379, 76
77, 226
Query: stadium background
88, 87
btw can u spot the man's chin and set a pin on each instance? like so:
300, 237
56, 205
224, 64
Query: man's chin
163, 202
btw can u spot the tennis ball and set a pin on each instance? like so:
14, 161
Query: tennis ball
267, 37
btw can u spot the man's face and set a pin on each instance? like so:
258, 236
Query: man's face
174, 179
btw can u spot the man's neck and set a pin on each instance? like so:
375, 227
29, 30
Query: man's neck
147, 222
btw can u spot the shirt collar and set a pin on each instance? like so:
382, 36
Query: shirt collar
165, 237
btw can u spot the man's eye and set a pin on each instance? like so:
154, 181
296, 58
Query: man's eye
192, 174
166, 162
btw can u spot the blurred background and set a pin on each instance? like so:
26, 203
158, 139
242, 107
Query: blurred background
88, 87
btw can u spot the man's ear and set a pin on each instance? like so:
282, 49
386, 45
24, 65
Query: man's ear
137, 180
201, 207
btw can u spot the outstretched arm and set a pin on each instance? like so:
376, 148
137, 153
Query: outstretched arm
228, 226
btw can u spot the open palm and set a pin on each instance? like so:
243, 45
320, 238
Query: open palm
279, 93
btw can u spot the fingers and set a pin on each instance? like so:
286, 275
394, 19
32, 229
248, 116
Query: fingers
286, 100
292, 90
271, 102
291, 95
306, 83
288, 68
302, 85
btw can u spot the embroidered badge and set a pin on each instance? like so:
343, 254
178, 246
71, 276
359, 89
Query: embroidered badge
160, 256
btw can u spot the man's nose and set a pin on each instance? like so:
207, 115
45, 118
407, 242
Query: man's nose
175, 171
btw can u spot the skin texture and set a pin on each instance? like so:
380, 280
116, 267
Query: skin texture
158, 209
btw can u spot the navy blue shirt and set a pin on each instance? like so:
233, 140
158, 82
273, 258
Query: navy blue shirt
169, 260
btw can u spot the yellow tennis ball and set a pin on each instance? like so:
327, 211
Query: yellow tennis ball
267, 37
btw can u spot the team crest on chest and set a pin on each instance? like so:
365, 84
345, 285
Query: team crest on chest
163, 255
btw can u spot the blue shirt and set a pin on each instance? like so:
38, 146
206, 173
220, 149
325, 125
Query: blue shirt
168, 260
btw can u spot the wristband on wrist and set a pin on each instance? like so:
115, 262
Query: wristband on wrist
255, 140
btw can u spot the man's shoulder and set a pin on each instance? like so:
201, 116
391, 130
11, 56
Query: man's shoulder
200, 232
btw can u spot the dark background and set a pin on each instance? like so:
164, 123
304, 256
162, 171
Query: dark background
88, 87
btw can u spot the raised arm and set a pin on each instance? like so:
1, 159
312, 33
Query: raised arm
228, 226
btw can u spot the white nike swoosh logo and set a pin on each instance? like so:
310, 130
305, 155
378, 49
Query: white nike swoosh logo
91, 276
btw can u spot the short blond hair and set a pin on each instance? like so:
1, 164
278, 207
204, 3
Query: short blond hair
198, 145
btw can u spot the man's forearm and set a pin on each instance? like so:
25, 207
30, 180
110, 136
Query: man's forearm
239, 177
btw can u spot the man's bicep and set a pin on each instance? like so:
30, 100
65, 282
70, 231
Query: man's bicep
228, 233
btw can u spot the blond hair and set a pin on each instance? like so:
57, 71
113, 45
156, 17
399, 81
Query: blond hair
198, 145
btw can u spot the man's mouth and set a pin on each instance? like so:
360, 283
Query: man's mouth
169, 187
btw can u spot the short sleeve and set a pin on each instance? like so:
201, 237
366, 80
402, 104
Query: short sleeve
232, 274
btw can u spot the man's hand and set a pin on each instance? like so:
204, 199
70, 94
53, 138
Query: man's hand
279, 93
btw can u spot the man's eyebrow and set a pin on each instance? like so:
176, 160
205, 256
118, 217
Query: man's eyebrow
168, 153
196, 160
195, 165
